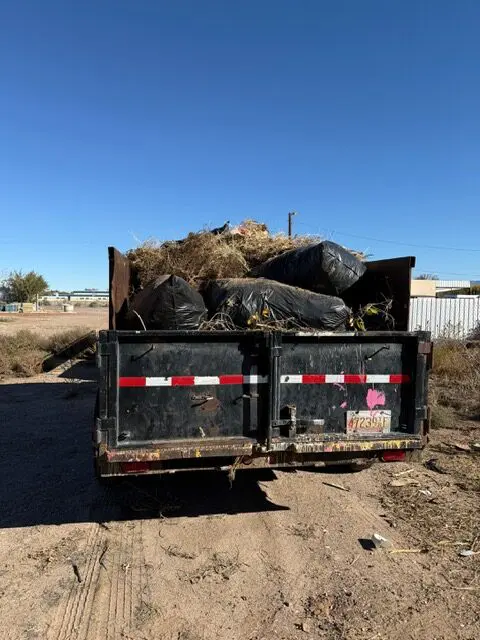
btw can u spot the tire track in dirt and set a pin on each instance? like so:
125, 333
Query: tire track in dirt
103, 606
120, 595
73, 608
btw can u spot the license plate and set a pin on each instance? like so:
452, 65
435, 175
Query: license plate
369, 421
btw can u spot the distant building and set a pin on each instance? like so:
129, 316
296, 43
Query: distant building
423, 288
86, 295
435, 288
54, 296
447, 286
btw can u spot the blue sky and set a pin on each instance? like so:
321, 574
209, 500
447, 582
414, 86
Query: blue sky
126, 119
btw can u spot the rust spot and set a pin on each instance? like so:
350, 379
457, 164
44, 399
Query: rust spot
119, 281
231, 447
182, 450
210, 405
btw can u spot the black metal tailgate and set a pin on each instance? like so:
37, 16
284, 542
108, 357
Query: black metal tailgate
266, 391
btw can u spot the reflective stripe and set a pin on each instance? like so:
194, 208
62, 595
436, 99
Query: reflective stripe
329, 379
238, 379
159, 382
132, 382
347, 378
378, 378
296, 379
399, 379
231, 379
314, 379
355, 379
183, 381
201, 380
191, 381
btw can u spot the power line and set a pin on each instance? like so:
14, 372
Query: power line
404, 244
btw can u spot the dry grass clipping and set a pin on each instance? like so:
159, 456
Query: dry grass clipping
22, 354
205, 256
220, 566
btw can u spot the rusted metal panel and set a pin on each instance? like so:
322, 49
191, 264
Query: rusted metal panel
344, 444
248, 451
358, 446
177, 451
119, 285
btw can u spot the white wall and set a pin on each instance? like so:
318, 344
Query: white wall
445, 317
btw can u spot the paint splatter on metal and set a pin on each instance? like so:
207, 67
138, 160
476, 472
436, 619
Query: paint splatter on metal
375, 399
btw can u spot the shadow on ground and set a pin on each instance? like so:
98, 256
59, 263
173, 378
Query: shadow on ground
46, 466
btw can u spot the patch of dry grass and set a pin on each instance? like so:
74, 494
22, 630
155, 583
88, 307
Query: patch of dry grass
455, 381
455, 361
22, 353
442, 417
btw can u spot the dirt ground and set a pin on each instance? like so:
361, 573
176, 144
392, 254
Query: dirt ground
49, 322
186, 557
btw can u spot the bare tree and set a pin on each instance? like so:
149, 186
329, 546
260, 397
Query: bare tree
427, 276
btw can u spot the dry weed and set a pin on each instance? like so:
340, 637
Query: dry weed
59, 341
455, 380
302, 530
23, 353
442, 417
455, 362
28, 363
175, 552
220, 566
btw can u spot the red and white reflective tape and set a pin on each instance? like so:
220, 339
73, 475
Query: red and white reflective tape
345, 378
311, 378
190, 381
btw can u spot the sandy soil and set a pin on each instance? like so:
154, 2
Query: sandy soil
184, 557
49, 322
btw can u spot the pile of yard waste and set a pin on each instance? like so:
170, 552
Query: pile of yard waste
242, 278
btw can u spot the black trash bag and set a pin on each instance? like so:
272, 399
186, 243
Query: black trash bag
166, 303
325, 268
249, 303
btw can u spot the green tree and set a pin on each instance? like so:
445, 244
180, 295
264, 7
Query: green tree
20, 287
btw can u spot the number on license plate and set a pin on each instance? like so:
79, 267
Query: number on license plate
369, 421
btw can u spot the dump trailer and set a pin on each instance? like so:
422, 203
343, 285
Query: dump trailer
188, 400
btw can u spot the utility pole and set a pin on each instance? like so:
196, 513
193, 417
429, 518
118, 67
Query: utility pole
290, 216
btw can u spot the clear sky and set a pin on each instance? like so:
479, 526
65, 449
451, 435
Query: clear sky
126, 119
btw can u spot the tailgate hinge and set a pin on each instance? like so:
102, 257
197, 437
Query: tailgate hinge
103, 426
425, 348
108, 348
